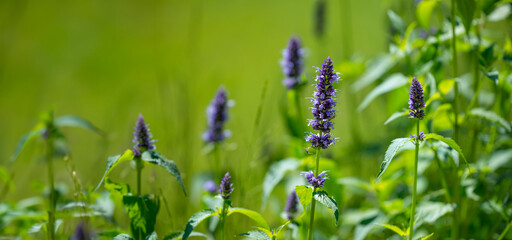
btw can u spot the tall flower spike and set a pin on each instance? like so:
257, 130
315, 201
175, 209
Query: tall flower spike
226, 187
292, 63
317, 181
416, 100
142, 137
323, 103
291, 205
217, 114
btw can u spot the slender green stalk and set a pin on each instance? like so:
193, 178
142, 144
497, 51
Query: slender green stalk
138, 162
313, 202
223, 221
51, 212
504, 233
414, 200
454, 73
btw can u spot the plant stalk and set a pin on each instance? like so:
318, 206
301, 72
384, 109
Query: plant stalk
138, 162
417, 148
313, 202
51, 212
223, 226
504, 233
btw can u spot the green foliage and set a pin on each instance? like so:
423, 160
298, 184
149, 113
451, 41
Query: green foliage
392, 150
113, 161
196, 219
305, 195
467, 11
323, 198
256, 234
275, 174
158, 159
142, 211
424, 12
448, 141
255, 216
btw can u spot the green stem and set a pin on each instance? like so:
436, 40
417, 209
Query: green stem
51, 212
139, 164
313, 202
223, 223
417, 148
504, 233
454, 72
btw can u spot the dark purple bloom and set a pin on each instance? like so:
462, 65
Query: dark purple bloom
291, 205
323, 103
210, 186
416, 100
226, 187
142, 137
421, 137
316, 182
292, 63
216, 115
81, 232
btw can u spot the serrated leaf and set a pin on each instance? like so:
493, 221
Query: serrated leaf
74, 121
448, 141
256, 234
397, 115
395, 229
113, 161
305, 195
142, 211
195, 220
424, 12
391, 83
323, 198
491, 116
467, 11
24, 140
374, 70
427, 237
250, 214
393, 148
123, 236
155, 157
274, 175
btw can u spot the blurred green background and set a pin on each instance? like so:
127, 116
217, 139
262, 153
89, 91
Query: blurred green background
108, 61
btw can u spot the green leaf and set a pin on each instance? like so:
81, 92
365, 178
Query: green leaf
152, 236
374, 70
391, 83
256, 234
487, 56
396, 21
329, 202
448, 141
122, 189
178, 235
123, 236
74, 121
142, 211
274, 175
430, 212
393, 148
252, 215
395, 229
500, 13
427, 237
169, 165
397, 115
493, 75
501, 158
305, 195
467, 11
446, 85
424, 12
195, 220
113, 161
24, 140
491, 116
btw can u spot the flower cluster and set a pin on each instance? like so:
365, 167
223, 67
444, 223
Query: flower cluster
420, 137
323, 104
416, 100
142, 137
217, 114
291, 205
292, 63
316, 182
226, 187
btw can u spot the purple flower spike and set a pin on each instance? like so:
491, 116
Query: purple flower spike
421, 137
210, 187
291, 205
217, 114
226, 187
323, 103
292, 63
142, 137
416, 100
316, 182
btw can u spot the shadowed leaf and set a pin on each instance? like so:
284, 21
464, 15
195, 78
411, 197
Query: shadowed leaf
329, 202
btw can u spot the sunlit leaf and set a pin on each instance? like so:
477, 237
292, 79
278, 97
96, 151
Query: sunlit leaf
424, 12
446, 85
448, 141
427, 237
393, 148
491, 116
305, 194
113, 161
256, 234
323, 198
395, 229
155, 157
195, 220
250, 214
391, 83
142, 211
275, 173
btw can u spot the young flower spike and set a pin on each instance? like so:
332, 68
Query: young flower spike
142, 137
292, 63
416, 100
420, 137
316, 182
216, 114
323, 104
291, 205
226, 187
